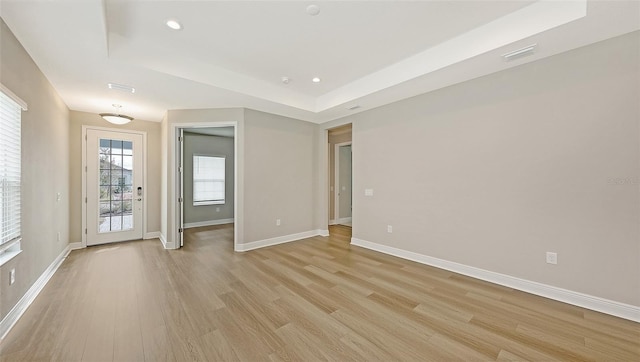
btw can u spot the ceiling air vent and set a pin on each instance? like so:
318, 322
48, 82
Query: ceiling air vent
522, 52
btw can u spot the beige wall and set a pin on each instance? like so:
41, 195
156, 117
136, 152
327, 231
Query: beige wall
45, 164
334, 139
279, 175
494, 172
211, 146
79, 119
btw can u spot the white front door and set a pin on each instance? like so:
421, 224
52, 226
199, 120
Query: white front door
114, 186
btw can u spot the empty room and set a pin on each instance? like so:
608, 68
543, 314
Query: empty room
313, 181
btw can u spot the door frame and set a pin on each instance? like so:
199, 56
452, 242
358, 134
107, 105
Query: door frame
336, 182
84, 177
174, 207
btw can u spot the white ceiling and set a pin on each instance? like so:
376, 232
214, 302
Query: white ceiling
234, 53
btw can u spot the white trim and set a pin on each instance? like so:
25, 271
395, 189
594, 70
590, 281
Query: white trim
10, 250
152, 235
76, 246
343, 220
607, 306
332, 222
18, 310
198, 224
323, 232
165, 244
277, 240
14, 97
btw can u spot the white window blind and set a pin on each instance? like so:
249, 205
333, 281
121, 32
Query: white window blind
10, 112
208, 180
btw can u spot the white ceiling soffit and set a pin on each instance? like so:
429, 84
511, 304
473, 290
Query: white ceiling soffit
234, 53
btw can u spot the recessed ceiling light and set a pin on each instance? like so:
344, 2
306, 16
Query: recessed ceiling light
286, 80
174, 24
313, 10
316, 80
354, 107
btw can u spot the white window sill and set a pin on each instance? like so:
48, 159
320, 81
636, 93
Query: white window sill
204, 203
9, 251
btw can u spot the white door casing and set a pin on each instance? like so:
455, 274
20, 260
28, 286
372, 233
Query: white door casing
114, 186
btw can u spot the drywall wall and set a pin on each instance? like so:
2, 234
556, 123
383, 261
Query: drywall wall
494, 172
79, 119
279, 175
45, 165
211, 146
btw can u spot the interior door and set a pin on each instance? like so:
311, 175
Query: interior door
114, 186
344, 182
181, 187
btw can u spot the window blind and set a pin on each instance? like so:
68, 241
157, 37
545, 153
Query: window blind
10, 112
208, 180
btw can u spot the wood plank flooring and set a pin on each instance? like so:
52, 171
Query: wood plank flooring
315, 299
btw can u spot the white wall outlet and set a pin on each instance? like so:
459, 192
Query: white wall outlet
58, 236
552, 258
277, 222
58, 196
368, 192
217, 209
12, 276
389, 229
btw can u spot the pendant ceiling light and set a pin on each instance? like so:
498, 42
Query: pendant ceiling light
116, 117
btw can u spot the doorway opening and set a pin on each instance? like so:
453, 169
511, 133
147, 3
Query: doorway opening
206, 185
340, 176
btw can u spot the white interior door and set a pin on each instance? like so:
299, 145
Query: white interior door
114, 186
343, 183
181, 187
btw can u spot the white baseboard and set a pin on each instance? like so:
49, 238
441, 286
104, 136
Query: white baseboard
611, 307
16, 312
75, 246
275, 241
151, 235
166, 244
343, 220
323, 232
332, 222
207, 223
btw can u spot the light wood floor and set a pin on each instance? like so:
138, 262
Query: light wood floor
316, 299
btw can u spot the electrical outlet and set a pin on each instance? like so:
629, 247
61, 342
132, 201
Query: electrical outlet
217, 209
368, 192
12, 276
389, 229
277, 222
552, 258
58, 236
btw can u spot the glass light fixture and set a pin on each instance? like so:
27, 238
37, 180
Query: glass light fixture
116, 117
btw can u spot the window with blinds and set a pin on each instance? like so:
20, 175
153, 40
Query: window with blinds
10, 114
208, 180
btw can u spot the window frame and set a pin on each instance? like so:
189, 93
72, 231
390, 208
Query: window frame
224, 181
10, 248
